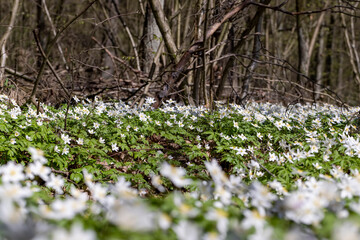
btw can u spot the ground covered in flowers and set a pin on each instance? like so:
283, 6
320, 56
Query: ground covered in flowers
101, 170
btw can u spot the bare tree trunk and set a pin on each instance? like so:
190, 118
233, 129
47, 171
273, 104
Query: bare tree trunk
320, 64
230, 62
352, 49
164, 27
317, 30
198, 34
3, 41
303, 44
54, 33
152, 36
255, 56
131, 38
40, 25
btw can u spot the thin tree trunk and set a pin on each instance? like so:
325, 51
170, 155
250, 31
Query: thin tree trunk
230, 62
152, 36
352, 50
3, 41
255, 56
317, 30
40, 25
303, 44
164, 27
54, 33
320, 64
128, 32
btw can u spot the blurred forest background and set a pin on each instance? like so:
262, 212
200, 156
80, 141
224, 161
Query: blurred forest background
192, 51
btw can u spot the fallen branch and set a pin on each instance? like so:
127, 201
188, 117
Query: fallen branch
19, 74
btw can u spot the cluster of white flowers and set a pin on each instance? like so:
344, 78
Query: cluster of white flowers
312, 148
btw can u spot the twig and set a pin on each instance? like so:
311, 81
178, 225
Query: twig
116, 58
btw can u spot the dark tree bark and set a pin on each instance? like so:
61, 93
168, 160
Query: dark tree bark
303, 43
255, 57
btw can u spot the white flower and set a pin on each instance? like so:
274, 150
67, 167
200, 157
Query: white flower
12, 215
279, 124
317, 165
12, 141
101, 140
216, 172
143, 117
314, 149
187, 231
157, 182
349, 188
13, 192
96, 125
40, 170
65, 151
88, 178
98, 192
114, 147
80, 141
76, 99
273, 157
37, 155
253, 219
12, 172
164, 221
123, 190
261, 197
149, 100
55, 182
65, 138
241, 151
56, 149
242, 137
131, 216
262, 234
221, 217
222, 194
175, 174
346, 230
76, 233
62, 209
